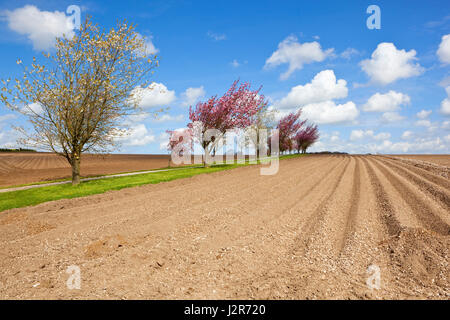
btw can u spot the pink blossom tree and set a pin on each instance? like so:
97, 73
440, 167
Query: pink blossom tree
288, 127
180, 142
305, 137
236, 109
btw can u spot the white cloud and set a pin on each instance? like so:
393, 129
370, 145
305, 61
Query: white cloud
316, 100
357, 134
8, 138
33, 108
216, 36
41, 27
420, 145
392, 117
192, 95
327, 112
235, 63
155, 95
138, 135
407, 135
423, 114
423, 123
444, 49
149, 46
322, 88
387, 102
6, 117
296, 54
349, 53
360, 134
168, 117
382, 136
445, 104
387, 64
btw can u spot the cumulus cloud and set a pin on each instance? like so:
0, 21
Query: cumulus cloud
316, 100
41, 27
155, 95
296, 54
360, 134
445, 104
423, 123
392, 117
387, 102
423, 114
235, 63
323, 87
6, 117
150, 48
192, 95
444, 49
445, 125
388, 64
31, 109
138, 135
407, 135
349, 53
419, 145
168, 118
447, 138
328, 112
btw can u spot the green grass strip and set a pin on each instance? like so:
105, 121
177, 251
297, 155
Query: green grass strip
29, 197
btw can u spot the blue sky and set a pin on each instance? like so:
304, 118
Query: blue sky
370, 90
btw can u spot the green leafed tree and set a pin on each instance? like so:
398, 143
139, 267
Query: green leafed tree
76, 100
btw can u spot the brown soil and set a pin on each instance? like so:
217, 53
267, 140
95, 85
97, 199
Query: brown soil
309, 232
440, 159
23, 168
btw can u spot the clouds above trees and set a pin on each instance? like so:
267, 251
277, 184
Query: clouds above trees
389, 64
316, 100
40, 27
296, 54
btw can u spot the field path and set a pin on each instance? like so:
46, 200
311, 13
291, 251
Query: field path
311, 231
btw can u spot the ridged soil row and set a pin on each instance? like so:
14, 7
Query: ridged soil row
74, 219
429, 214
251, 270
387, 212
208, 242
439, 191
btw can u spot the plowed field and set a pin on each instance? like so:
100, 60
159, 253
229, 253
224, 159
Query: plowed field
310, 231
23, 168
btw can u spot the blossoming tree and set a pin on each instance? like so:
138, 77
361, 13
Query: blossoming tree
236, 109
76, 100
305, 137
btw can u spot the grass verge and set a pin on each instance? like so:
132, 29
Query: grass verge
29, 197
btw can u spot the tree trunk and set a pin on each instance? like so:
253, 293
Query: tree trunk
75, 170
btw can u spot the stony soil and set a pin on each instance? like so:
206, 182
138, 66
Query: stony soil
309, 232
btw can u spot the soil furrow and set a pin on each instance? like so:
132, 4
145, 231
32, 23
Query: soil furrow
421, 209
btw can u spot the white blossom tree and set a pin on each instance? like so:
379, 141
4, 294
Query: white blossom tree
77, 99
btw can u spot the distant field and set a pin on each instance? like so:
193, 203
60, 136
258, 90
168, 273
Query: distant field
23, 168
440, 159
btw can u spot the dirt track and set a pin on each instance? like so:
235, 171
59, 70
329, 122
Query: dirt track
310, 231
22, 167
